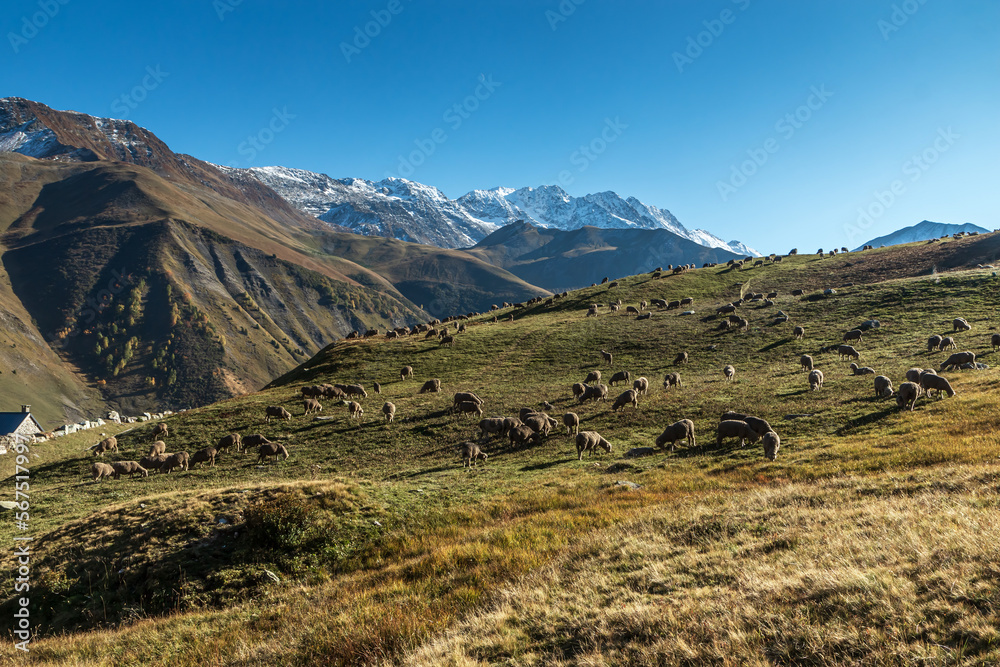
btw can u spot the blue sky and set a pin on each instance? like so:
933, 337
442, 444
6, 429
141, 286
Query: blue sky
777, 123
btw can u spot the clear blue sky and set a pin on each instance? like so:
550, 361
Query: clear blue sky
679, 125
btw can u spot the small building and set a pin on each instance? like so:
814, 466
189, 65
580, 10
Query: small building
21, 423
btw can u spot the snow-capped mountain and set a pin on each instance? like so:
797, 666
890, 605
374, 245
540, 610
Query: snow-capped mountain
411, 211
923, 231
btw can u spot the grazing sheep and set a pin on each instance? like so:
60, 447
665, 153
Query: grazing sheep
679, 430
389, 410
816, 380
771, 444
158, 447
491, 426
540, 423
227, 441
853, 334
798, 292
447, 340
377, 387
933, 382
592, 311
160, 430
947, 343
934, 343
732, 428
578, 389
756, 423
883, 387
625, 398
687, 301
471, 454
728, 371
276, 412
671, 380
406, 372
153, 462
630, 310
595, 392
913, 375
571, 421
431, 386
589, 441
806, 362
271, 449
995, 341
862, 370
354, 409
681, 358
312, 405
744, 324
547, 406
592, 377
469, 407
329, 391
848, 352
607, 356
959, 358
355, 390
466, 397
106, 445
178, 460
206, 455
509, 424
620, 376
959, 324
641, 386
101, 470
523, 435
798, 332
908, 393
724, 310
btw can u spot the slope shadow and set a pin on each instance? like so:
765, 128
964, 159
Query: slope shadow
865, 420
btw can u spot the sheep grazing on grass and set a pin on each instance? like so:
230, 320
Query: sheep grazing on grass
620, 376
130, 468
158, 447
679, 430
798, 292
106, 445
466, 397
806, 362
671, 380
592, 377
101, 470
491, 426
641, 386
848, 352
687, 301
206, 455
389, 410
227, 441
509, 424
908, 394
743, 324
547, 406
471, 454
406, 372
913, 375
798, 332
959, 324
160, 431
728, 372
592, 311
681, 358
861, 370
276, 412
956, 360
540, 423
995, 341
631, 310
523, 435
354, 409
607, 356
589, 441
816, 380
377, 387
447, 340
178, 460
578, 389
724, 310
853, 334
468, 407
883, 387
756, 423
355, 390
947, 343
934, 343
153, 462
254, 440
732, 428
626, 398
270, 449
933, 382
431, 386
311, 405
571, 421
595, 392
771, 443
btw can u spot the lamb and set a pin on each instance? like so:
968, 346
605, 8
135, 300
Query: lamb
178, 460
960, 324
469, 407
620, 376
798, 332
312, 405
806, 362
933, 382
354, 409
908, 393
732, 428
160, 430
152, 462
681, 358
959, 358
592, 377
848, 352
995, 341
466, 397
431, 386
607, 356
523, 435
626, 397
913, 375
227, 441
158, 447
816, 380
771, 444
947, 343
276, 412
101, 470
595, 392
883, 387
854, 334
671, 380
571, 421
355, 390
389, 410
491, 426
206, 455
589, 441
679, 430
934, 343
106, 445
641, 386
471, 454
728, 371
406, 372
271, 449
862, 370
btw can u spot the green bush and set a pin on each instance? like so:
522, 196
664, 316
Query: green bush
283, 522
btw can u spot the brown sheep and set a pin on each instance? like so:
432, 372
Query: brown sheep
471, 454
620, 376
540, 423
206, 455
680, 430
687, 301
158, 447
883, 387
933, 382
595, 392
178, 460
671, 380
947, 343
732, 428
389, 410
848, 352
509, 424
908, 394
312, 405
431, 386
571, 421
589, 441
160, 430
681, 358
447, 340
798, 292
227, 441
861, 370
354, 409
959, 324
607, 356
771, 444
469, 407
523, 435
106, 445
853, 334
254, 440
995, 341
276, 412
271, 449
641, 386
728, 372
806, 362
466, 397
798, 332
153, 462
592, 377
629, 310
957, 359
578, 389
592, 311
934, 343
626, 398
377, 387
913, 375
491, 426
756, 423
329, 391
406, 372
101, 470
816, 380
355, 390
724, 310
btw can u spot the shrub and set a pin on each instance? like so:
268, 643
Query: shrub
282, 522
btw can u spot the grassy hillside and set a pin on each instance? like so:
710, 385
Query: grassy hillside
870, 540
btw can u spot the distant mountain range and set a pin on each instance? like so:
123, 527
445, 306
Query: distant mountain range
923, 231
410, 211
